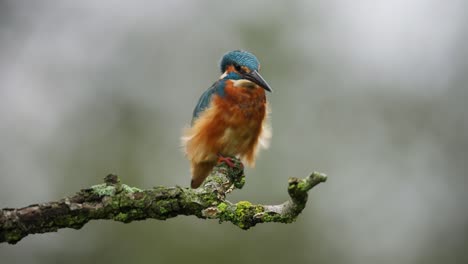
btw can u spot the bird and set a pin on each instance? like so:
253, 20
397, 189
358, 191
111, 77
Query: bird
230, 118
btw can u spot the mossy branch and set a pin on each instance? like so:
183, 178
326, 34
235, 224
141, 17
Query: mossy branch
117, 201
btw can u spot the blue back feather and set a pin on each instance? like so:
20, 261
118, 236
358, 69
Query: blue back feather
205, 99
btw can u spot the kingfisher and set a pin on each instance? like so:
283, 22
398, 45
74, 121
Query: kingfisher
230, 118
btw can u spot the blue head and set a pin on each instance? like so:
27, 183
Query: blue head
241, 58
244, 65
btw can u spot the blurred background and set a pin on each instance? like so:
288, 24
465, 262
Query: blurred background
372, 93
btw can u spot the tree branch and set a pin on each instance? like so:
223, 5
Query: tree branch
117, 201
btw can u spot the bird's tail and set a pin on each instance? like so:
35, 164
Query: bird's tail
200, 171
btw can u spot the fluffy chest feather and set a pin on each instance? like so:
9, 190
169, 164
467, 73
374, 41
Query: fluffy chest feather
241, 106
240, 116
234, 124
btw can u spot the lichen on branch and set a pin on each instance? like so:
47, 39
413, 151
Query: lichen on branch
116, 201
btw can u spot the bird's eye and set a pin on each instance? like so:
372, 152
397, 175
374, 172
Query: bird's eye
238, 68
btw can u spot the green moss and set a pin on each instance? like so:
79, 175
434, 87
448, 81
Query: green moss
164, 207
163, 210
129, 189
13, 236
115, 204
222, 207
259, 209
72, 221
121, 217
241, 207
268, 218
302, 185
103, 190
209, 198
242, 214
126, 200
244, 204
129, 216
239, 184
226, 212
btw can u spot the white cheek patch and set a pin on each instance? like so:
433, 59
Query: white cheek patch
243, 83
223, 75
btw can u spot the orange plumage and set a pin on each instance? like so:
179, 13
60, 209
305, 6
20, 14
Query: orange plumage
233, 124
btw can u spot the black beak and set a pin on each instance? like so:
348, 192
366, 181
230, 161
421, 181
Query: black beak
255, 77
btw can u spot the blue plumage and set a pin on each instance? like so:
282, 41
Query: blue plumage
216, 88
205, 99
241, 58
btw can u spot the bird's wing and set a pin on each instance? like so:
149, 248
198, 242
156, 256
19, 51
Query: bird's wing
205, 99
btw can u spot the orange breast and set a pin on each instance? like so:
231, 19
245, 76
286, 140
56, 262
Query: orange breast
231, 125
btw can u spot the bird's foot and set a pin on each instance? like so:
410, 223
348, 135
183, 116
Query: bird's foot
227, 160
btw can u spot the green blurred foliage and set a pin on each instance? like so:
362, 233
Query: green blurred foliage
373, 94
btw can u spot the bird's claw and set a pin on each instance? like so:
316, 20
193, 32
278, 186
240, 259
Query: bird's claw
227, 160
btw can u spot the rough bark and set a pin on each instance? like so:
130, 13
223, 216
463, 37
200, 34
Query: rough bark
119, 202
